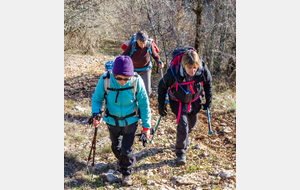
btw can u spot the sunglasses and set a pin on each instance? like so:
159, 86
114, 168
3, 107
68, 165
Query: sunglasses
124, 79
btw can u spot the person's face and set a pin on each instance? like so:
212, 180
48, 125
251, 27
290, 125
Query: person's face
122, 80
192, 70
142, 44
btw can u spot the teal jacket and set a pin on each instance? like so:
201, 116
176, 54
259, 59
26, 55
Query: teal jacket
125, 104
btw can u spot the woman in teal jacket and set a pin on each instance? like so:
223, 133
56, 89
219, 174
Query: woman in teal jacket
120, 117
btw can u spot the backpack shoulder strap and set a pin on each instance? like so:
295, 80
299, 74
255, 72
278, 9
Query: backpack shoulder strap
106, 77
134, 91
134, 83
149, 47
133, 40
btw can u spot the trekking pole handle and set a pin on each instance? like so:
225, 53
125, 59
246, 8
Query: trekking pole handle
101, 111
209, 125
99, 115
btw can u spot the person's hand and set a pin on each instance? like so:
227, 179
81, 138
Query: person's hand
96, 122
204, 106
147, 133
162, 110
160, 64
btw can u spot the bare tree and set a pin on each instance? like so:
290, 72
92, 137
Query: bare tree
208, 25
84, 23
198, 12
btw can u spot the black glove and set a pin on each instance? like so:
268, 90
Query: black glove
143, 139
204, 106
162, 109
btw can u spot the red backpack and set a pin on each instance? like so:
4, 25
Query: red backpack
177, 55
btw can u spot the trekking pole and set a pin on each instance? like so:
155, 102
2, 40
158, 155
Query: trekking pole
93, 148
166, 102
209, 125
155, 129
162, 73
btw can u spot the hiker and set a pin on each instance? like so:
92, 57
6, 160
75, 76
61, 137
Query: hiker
191, 74
120, 115
141, 58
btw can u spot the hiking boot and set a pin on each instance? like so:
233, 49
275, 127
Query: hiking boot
181, 160
126, 180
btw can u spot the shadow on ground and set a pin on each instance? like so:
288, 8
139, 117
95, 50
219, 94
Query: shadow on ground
75, 172
78, 119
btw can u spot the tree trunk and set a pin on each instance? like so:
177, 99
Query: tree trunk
223, 37
212, 38
198, 12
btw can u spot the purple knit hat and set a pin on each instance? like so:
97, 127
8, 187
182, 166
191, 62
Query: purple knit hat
123, 66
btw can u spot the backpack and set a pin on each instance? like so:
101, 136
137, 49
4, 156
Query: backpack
133, 40
180, 96
107, 82
176, 61
177, 55
133, 49
109, 66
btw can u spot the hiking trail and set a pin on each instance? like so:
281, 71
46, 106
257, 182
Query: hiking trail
211, 159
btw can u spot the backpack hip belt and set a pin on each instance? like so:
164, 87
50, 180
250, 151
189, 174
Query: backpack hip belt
117, 119
180, 105
143, 69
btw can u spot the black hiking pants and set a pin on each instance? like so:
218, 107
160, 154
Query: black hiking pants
122, 140
187, 122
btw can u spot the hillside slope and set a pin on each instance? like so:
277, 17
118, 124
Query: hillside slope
211, 158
